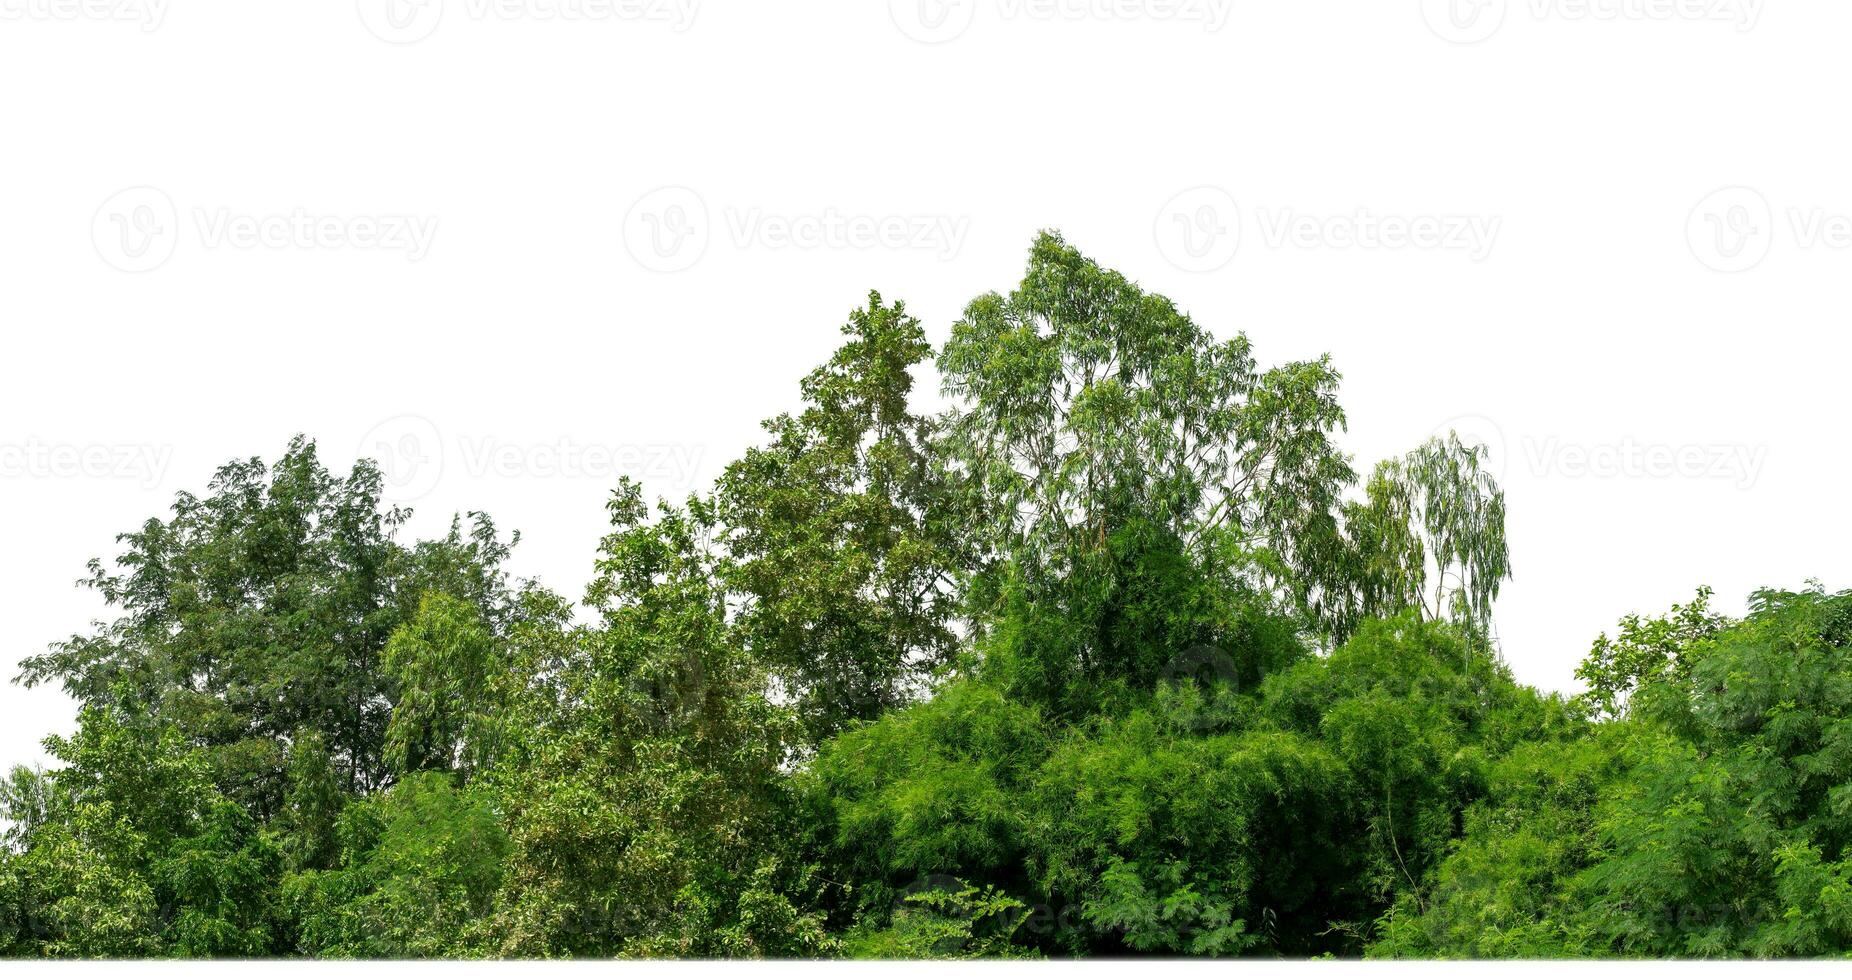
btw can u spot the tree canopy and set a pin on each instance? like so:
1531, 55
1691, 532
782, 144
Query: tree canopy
1118, 655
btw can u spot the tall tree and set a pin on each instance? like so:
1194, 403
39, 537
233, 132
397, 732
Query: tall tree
641, 779
1128, 479
262, 610
1429, 536
837, 535
441, 662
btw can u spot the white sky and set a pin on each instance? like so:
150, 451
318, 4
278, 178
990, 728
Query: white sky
480, 218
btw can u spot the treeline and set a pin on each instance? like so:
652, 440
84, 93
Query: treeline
1118, 656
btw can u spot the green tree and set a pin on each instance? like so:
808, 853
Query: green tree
838, 535
1128, 478
262, 611
420, 868
1429, 535
641, 782
440, 663
1646, 650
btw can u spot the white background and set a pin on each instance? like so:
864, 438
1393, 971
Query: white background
1239, 157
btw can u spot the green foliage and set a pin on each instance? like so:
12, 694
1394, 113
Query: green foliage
420, 867
1100, 427
838, 535
640, 782
1645, 650
1711, 822
141, 854
1185, 821
440, 662
261, 612
1113, 657
942, 919
1432, 520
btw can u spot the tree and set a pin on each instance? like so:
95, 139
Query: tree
262, 611
838, 537
1106, 660
1646, 650
641, 781
1708, 821
1128, 475
1429, 535
420, 867
441, 662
